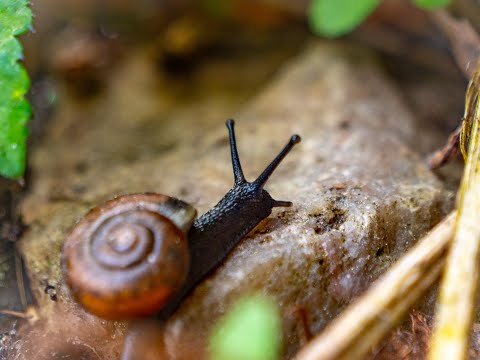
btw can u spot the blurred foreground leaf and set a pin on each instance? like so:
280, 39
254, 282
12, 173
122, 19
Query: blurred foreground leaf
431, 4
219, 8
15, 18
251, 330
333, 18
337, 17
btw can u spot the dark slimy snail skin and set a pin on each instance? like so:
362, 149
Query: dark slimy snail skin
141, 254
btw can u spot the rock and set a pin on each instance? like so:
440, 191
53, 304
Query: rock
362, 196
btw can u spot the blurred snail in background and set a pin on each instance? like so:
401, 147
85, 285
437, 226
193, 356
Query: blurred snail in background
141, 254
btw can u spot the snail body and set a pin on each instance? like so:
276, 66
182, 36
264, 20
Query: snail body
140, 254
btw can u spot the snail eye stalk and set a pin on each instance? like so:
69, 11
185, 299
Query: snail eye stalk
237, 167
262, 179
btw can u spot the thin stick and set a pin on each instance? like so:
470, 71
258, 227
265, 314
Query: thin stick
371, 317
20, 283
457, 293
18, 314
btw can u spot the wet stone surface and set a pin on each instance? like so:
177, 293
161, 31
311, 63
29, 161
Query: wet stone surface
361, 195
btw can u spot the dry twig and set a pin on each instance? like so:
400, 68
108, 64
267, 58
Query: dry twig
30, 314
445, 154
17, 314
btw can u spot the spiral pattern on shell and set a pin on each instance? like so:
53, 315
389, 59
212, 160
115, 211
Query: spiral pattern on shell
127, 257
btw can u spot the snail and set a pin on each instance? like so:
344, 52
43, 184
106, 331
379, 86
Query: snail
141, 254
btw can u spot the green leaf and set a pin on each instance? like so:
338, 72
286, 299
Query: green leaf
431, 4
337, 17
220, 8
251, 330
15, 18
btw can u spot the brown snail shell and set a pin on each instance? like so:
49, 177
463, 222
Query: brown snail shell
127, 257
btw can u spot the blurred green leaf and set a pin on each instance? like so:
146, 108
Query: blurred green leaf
431, 4
337, 17
15, 18
251, 330
220, 8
